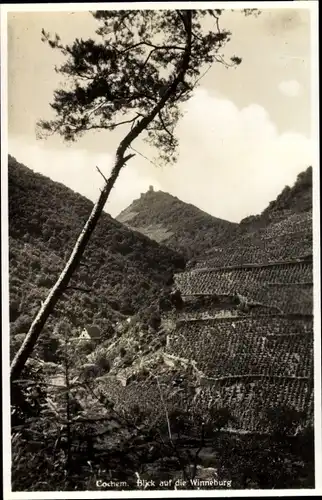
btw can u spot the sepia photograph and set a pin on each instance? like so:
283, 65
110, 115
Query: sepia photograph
160, 249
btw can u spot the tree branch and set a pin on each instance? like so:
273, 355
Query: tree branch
212, 13
165, 410
173, 446
128, 157
143, 156
142, 124
155, 47
97, 108
82, 128
201, 76
219, 58
164, 126
101, 174
147, 59
76, 255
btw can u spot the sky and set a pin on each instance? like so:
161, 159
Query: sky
245, 133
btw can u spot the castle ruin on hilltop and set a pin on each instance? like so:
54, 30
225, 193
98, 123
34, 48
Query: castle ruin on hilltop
239, 335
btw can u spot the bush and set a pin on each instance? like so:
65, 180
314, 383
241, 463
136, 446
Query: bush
22, 324
284, 420
14, 312
99, 358
127, 360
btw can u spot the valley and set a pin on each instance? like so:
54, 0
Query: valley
204, 344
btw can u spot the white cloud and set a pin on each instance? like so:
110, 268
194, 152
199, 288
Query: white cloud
232, 162
290, 88
76, 168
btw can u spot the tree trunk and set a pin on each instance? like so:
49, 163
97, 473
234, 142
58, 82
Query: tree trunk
68, 413
60, 286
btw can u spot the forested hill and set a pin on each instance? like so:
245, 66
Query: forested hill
179, 225
122, 271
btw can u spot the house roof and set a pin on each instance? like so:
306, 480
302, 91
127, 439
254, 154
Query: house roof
93, 331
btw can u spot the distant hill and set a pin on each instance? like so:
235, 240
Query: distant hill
122, 271
296, 199
238, 339
181, 226
232, 349
283, 231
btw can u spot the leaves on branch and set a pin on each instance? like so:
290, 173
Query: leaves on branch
118, 78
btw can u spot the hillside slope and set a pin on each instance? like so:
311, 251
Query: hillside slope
231, 359
283, 231
121, 272
200, 236
244, 321
178, 225
238, 341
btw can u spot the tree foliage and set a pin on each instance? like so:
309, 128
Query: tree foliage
107, 80
121, 75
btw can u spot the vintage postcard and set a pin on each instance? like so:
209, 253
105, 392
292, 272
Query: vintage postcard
160, 250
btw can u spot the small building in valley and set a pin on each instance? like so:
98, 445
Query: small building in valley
90, 333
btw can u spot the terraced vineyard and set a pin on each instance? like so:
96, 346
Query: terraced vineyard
241, 339
248, 331
287, 237
267, 346
285, 287
250, 400
224, 281
262, 254
237, 338
242, 336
